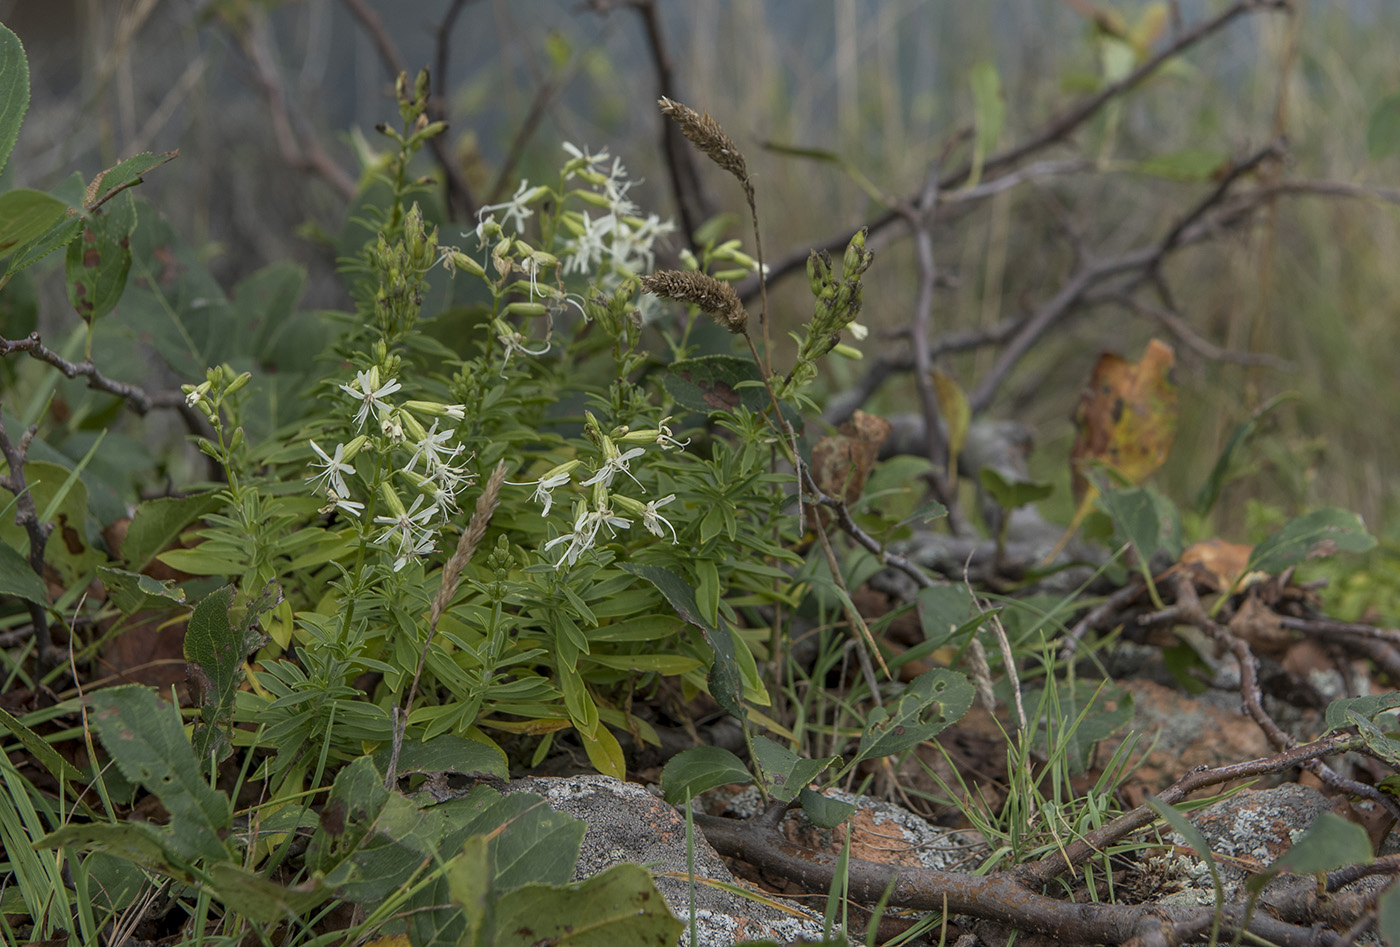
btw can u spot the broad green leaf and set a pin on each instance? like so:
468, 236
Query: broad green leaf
989, 111
1011, 494
216, 650
97, 262
943, 609
14, 92
471, 884
825, 812
604, 752
1330, 842
196, 561
158, 523
1388, 914
537, 845
783, 772
57, 236
18, 579
448, 753
124, 173
139, 842
61, 498
693, 771
1377, 740
144, 736
132, 592
929, 703
26, 215
1134, 513
1310, 536
618, 906
726, 680
711, 383
258, 899
1383, 129
1339, 712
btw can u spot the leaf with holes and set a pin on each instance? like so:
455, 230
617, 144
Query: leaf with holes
99, 260
930, 703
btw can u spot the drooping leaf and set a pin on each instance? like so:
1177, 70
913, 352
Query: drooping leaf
141, 843
1189, 164
618, 906
1311, 536
931, 702
1010, 494
726, 679
259, 899
147, 742
954, 406
42, 751
1339, 712
124, 173
1209, 493
700, 768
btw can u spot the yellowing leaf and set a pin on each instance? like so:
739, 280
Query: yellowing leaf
1127, 417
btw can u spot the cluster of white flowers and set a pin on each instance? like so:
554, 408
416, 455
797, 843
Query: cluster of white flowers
602, 508
432, 466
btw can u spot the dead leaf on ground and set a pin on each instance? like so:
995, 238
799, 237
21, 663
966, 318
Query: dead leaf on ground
842, 462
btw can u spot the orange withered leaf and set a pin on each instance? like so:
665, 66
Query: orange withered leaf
1126, 419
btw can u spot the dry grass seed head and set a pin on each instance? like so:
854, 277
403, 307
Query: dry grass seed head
713, 296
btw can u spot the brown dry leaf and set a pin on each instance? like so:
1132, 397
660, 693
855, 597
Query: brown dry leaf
842, 462
1216, 564
1127, 417
1256, 624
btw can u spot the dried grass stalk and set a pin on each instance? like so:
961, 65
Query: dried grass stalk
468, 541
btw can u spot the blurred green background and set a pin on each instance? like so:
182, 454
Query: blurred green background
243, 88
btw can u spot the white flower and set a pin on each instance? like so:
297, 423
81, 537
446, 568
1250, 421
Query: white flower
664, 438
371, 397
515, 342
435, 450
409, 528
515, 211
652, 520
586, 526
332, 472
612, 465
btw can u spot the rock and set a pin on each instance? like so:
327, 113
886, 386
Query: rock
626, 823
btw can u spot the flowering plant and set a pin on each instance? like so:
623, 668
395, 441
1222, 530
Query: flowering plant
513, 535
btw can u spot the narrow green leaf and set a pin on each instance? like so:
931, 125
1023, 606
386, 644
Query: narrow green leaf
258, 899
14, 92
59, 235
1310, 536
1189, 164
989, 111
127, 172
57, 766
148, 744
693, 771
618, 906
1187, 830
1134, 513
